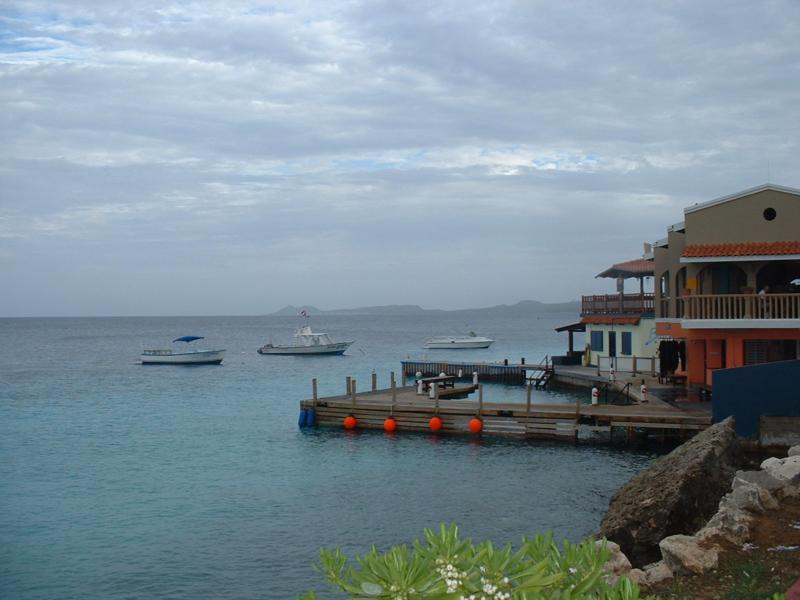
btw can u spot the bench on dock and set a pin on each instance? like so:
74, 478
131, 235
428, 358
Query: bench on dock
443, 382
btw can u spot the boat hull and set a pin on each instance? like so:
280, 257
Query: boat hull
202, 357
337, 348
459, 345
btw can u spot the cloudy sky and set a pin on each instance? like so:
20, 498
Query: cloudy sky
233, 157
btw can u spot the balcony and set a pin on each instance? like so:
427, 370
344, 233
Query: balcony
618, 304
740, 306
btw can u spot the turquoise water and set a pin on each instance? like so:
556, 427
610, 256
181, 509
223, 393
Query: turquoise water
124, 481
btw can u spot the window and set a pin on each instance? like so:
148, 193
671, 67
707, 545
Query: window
626, 342
597, 341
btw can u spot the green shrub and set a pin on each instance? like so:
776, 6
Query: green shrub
448, 567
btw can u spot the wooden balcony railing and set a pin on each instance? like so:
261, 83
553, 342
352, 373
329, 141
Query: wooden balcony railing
741, 306
616, 304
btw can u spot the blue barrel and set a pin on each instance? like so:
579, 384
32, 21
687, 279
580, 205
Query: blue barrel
311, 417
302, 419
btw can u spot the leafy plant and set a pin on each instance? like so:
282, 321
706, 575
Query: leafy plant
447, 567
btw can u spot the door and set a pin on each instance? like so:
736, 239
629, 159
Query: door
612, 343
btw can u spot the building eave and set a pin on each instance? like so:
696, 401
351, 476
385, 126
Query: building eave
742, 194
753, 258
740, 324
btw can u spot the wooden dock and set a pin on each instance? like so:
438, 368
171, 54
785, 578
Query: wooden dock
413, 412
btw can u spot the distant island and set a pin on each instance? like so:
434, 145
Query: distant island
525, 307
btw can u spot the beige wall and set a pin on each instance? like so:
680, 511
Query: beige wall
742, 220
669, 259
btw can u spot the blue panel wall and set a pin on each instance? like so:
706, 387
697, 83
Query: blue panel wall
747, 393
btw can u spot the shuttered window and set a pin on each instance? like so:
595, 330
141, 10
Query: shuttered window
597, 341
626, 342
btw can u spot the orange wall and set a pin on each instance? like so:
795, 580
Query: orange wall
704, 348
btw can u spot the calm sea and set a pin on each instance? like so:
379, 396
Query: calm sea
119, 480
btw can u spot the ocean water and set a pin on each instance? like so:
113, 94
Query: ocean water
119, 480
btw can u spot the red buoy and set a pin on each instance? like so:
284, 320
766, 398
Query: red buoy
390, 424
350, 422
475, 425
435, 424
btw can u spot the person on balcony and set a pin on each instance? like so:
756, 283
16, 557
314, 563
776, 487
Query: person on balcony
762, 297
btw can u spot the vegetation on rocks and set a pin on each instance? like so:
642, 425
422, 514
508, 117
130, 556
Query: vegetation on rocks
447, 567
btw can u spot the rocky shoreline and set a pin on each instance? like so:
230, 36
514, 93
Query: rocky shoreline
676, 517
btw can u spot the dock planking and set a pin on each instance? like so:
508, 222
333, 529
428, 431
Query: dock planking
412, 412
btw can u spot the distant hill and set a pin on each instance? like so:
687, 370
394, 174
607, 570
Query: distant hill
525, 307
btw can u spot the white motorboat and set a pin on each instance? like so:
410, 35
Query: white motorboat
190, 357
307, 342
463, 342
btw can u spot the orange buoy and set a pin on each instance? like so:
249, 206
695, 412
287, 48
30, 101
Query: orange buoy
390, 424
350, 422
435, 423
475, 425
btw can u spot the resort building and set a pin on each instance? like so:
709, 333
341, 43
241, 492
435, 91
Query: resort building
728, 281
621, 326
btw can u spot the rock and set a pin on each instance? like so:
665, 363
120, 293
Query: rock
794, 451
656, 573
637, 576
749, 496
783, 469
730, 523
760, 478
617, 563
676, 495
686, 555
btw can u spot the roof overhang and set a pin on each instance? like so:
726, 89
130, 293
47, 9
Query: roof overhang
753, 258
677, 227
639, 267
742, 194
572, 327
610, 320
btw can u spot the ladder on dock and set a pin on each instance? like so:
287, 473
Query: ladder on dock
540, 375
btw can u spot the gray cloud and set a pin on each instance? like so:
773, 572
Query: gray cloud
328, 153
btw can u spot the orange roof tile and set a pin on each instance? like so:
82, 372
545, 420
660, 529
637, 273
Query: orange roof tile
742, 249
609, 320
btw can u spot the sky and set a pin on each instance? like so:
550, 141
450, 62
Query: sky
233, 157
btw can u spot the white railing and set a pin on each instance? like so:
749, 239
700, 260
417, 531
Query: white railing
742, 306
629, 364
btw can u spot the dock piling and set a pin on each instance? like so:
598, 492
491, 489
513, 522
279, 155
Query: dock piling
374, 381
314, 396
347, 385
480, 399
353, 392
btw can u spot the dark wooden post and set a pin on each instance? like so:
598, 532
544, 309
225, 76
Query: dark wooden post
353, 393
374, 381
348, 384
314, 392
480, 399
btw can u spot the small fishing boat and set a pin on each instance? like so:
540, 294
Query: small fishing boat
448, 342
189, 357
307, 342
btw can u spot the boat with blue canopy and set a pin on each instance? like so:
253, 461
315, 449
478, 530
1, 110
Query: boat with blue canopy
170, 356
